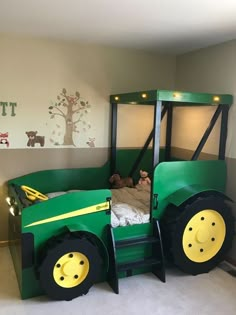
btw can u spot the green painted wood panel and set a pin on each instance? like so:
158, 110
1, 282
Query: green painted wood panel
177, 97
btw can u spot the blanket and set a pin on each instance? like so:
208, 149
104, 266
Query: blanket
130, 205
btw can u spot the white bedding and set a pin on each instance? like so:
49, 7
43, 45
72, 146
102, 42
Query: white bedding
129, 205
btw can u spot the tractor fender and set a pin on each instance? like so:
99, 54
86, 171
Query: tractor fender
183, 194
94, 238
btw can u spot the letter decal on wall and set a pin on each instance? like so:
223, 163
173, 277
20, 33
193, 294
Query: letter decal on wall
13, 105
4, 106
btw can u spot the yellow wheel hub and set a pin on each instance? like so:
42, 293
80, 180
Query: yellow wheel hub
71, 269
204, 235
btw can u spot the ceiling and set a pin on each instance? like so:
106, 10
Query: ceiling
167, 26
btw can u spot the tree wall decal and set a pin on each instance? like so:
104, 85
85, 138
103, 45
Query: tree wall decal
73, 109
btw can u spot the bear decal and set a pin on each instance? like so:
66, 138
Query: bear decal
33, 138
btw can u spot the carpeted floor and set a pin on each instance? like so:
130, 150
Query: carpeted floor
207, 294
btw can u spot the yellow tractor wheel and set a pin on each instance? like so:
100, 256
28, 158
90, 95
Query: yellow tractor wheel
70, 267
197, 236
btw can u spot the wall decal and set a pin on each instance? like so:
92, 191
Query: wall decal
91, 142
4, 108
73, 109
56, 133
4, 139
33, 139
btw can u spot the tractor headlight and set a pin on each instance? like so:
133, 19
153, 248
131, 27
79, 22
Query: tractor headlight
14, 210
10, 201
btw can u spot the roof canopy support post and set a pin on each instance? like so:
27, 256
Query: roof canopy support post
145, 147
113, 136
156, 146
156, 135
168, 131
207, 133
141, 154
223, 132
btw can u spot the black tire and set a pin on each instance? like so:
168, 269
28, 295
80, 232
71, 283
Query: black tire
53, 281
192, 239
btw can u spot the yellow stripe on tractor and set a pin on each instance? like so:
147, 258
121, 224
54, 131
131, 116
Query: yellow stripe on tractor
88, 210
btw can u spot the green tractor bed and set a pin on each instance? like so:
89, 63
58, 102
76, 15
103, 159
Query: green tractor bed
62, 246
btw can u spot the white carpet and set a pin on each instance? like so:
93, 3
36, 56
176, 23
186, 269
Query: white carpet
208, 294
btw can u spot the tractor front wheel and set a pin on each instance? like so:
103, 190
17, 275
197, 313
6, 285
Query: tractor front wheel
69, 268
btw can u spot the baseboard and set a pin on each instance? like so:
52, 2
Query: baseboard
8, 243
4, 243
231, 261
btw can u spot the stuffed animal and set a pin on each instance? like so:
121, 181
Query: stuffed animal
118, 182
144, 179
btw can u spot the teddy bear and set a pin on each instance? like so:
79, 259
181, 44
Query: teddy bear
119, 182
144, 179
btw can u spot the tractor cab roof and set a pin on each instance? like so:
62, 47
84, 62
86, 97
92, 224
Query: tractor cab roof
177, 98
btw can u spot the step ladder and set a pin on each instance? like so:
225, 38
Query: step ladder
154, 262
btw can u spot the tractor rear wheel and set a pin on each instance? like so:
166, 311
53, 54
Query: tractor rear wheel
69, 267
199, 235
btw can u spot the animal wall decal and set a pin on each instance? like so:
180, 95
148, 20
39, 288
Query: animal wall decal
91, 142
33, 138
4, 139
73, 109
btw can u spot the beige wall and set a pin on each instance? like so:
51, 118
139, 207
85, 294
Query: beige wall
33, 73
212, 70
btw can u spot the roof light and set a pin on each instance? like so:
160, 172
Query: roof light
176, 94
216, 98
144, 95
117, 98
